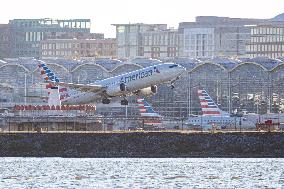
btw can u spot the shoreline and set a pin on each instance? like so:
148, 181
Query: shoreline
143, 145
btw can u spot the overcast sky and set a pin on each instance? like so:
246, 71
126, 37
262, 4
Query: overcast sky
103, 13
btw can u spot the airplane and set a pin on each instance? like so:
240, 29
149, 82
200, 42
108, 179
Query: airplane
212, 116
140, 82
147, 114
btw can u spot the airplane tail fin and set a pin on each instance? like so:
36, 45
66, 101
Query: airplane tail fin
208, 106
150, 117
145, 108
56, 93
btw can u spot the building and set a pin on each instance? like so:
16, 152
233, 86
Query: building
78, 48
212, 36
159, 44
4, 40
267, 40
26, 34
129, 38
207, 37
251, 84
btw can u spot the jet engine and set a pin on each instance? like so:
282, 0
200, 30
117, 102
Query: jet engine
116, 90
122, 87
148, 91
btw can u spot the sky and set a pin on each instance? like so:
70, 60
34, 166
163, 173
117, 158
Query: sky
103, 13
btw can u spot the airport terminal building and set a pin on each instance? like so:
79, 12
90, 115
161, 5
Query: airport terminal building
251, 84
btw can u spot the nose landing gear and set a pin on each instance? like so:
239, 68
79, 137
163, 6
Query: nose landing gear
124, 102
105, 100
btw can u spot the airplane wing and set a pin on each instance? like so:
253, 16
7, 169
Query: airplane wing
81, 87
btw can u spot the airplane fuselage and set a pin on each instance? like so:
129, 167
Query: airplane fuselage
134, 81
221, 122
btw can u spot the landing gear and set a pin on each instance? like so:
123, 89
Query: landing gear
173, 81
105, 100
124, 102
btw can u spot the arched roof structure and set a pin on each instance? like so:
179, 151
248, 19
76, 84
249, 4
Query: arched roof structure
111, 65
126, 63
251, 63
205, 63
13, 64
89, 63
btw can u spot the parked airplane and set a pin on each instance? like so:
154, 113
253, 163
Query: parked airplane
147, 114
141, 82
212, 116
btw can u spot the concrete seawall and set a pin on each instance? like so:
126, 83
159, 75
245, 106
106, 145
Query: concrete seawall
140, 144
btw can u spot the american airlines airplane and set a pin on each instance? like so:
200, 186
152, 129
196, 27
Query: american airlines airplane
213, 116
140, 82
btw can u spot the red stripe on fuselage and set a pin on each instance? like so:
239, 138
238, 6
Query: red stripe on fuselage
211, 112
204, 106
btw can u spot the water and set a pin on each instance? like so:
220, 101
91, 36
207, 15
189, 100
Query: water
141, 173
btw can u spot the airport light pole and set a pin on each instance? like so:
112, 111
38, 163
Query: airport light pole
229, 92
86, 124
182, 123
189, 94
125, 117
25, 89
9, 124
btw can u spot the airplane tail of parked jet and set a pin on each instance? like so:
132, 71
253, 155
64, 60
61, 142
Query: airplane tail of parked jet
56, 93
208, 106
213, 117
148, 114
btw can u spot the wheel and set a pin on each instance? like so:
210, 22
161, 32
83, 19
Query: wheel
124, 102
106, 101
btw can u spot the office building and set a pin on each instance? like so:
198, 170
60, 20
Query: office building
267, 40
129, 38
26, 34
78, 48
4, 40
212, 36
159, 44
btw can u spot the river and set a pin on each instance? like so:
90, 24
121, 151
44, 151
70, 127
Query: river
141, 173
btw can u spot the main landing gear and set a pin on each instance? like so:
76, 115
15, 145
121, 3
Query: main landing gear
172, 82
105, 100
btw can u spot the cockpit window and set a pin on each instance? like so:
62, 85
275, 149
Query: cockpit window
172, 66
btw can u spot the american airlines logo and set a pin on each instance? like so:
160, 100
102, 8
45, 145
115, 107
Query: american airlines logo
139, 75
